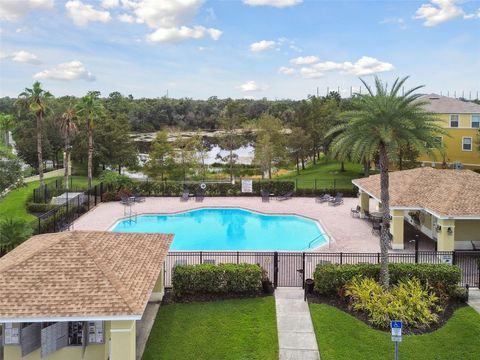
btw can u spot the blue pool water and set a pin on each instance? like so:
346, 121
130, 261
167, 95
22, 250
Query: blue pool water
230, 229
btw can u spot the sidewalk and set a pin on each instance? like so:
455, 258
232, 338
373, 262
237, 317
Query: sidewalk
474, 298
296, 337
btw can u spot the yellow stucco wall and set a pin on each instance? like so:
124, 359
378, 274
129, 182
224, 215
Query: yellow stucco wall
92, 351
122, 335
467, 230
453, 144
445, 241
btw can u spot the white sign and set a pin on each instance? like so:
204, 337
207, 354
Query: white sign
396, 327
247, 186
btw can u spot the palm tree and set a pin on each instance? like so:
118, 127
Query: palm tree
36, 100
13, 232
381, 122
90, 108
68, 129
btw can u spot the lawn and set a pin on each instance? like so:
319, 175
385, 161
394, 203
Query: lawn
341, 336
325, 173
13, 205
229, 329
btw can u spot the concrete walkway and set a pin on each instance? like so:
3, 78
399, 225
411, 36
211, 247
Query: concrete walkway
144, 326
474, 298
296, 337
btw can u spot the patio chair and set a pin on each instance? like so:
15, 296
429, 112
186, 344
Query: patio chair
200, 195
125, 200
337, 200
376, 228
355, 212
185, 195
265, 195
286, 196
137, 198
323, 198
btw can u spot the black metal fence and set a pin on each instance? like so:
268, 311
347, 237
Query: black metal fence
290, 269
64, 214
44, 193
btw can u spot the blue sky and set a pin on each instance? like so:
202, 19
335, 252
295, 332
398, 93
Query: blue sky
244, 48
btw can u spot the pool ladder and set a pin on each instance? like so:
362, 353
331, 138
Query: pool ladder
314, 240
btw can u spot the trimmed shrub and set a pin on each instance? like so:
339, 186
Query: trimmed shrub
39, 207
409, 301
310, 192
331, 278
219, 279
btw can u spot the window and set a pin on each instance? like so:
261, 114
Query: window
476, 121
437, 142
454, 121
467, 144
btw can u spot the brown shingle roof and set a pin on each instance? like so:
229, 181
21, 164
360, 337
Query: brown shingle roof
81, 274
446, 105
444, 192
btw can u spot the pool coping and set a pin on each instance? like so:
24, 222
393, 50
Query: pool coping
322, 227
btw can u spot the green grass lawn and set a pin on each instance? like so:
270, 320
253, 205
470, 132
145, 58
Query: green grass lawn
229, 329
13, 205
341, 336
325, 173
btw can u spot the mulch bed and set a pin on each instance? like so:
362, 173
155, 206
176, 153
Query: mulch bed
169, 297
342, 304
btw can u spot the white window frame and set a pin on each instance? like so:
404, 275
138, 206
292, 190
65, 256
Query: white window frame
450, 121
471, 121
471, 143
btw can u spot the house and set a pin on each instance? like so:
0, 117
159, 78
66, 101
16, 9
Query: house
442, 203
462, 121
77, 295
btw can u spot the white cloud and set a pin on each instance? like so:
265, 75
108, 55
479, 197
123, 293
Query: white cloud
438, 11
304, 60
177, 34
82, 13
22, 57
72, 70
108, 4
126, 18
262, 45
286, 70
274, 3
250, 86
473, 15
364, 66
167, 14
13, 10
395, 21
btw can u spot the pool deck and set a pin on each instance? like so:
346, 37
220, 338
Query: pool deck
346, 234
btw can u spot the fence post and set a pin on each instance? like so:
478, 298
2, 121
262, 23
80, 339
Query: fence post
416, 248
101, 192
34, 195
378, 258
238, 256
341, 258
275, 269
201, 257
454, 260
303, 270
39, 225
95, 189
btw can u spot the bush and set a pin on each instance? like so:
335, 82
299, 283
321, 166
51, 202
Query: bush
347, 192
409, 301
331, 278
216, 279
39, 207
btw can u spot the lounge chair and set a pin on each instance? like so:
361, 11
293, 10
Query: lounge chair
265, 195
185, 195
337, 200
286, 196
199, 195
355, 212
323, 198
137, 198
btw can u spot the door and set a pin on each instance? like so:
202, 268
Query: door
290, 269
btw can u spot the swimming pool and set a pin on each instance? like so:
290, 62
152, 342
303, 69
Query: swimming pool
230, 229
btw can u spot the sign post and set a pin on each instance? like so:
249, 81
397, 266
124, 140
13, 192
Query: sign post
396, 327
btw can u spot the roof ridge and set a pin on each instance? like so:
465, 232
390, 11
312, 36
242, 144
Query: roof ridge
7, 258
110, 275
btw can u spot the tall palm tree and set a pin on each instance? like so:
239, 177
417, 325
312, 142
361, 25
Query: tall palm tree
68, 128
382, 121
90, 109
36, 100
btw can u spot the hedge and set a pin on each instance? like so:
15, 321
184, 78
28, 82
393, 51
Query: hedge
330, 278
216, 279
39, 207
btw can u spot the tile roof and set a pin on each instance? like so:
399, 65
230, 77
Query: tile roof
81, 274
446, 105
454, 193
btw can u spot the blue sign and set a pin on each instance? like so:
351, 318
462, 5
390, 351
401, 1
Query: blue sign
395, 324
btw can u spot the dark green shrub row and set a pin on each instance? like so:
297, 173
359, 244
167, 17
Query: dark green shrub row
310, 192
330, 278
39, 207
212, 189
216, 279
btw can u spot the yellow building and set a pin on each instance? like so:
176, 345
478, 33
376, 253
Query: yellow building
462, 121
79, 295
444, 204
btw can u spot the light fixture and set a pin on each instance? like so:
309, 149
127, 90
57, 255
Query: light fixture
439, 228
450, 230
